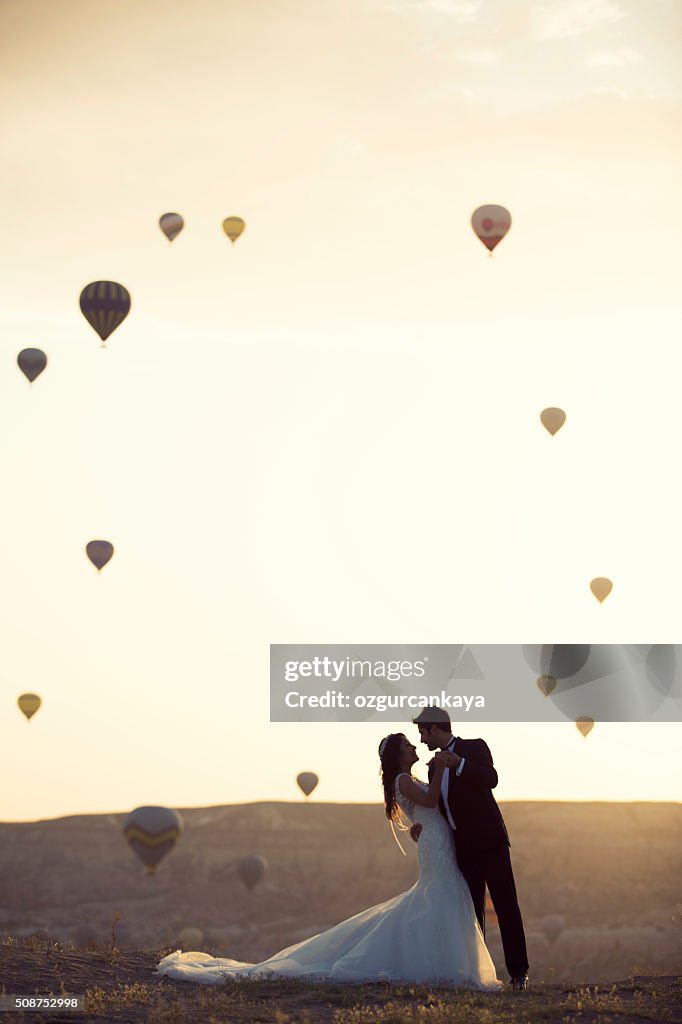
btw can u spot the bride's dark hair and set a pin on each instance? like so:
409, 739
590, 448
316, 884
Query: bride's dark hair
389, 753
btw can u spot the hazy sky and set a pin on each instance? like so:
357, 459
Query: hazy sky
329, 432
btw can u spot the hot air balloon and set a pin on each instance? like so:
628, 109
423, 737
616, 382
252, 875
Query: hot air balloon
190, 938
307, 782
171, 224
152, 833
32, 362
601, 587
553, 419
233, 227
584, 725
552, 927
660, 668
99, 552
491, 223
29, 704
251, 869
546, 684
105, 305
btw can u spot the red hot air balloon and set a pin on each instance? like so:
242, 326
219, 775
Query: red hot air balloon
491, 223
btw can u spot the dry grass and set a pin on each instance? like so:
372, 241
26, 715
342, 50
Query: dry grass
121, 986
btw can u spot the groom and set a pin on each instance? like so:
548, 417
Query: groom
481, 840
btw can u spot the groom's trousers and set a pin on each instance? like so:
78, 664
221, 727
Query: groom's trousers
493, 868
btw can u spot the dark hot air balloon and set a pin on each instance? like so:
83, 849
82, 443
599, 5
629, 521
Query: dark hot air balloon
307, 782
152, 833
32, 362
251, 870
105, 305
99, 552
171, 224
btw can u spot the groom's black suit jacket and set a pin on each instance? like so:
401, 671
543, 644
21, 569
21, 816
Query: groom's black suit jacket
479, 822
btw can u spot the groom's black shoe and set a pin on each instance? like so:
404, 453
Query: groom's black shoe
519, 984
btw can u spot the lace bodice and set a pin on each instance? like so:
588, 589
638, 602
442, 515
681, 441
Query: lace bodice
415, 812
435, 846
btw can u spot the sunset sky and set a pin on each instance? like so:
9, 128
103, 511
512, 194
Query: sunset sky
329, 432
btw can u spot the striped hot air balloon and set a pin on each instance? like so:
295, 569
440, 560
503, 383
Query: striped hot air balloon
171, 224
105, 305
152, 833
233, 227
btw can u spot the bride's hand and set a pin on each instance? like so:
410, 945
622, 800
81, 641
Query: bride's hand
447, 759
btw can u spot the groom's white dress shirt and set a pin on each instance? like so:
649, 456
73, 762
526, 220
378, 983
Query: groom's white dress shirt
445, 782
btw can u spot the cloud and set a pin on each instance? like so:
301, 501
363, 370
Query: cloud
613, 58
565, 19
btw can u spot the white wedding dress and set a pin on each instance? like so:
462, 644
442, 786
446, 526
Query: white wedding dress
428, 934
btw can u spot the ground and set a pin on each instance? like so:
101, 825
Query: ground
121, 986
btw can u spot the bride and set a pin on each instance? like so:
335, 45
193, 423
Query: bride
428, 934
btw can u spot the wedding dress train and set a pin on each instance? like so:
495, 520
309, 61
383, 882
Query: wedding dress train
428, 934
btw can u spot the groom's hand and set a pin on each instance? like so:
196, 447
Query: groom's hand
449, 759
415, 832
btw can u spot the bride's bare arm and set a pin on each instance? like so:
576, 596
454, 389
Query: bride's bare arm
425, 798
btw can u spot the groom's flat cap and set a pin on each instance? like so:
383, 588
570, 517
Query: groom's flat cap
432, 716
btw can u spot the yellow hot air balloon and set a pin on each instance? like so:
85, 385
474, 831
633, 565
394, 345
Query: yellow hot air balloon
546, 684
251, 870
233, 227
152, 833
307, 782
601, 587
171, 224
32, 362
99, 552
553, 419
584, 725
29, 704
105, 305
491, 223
